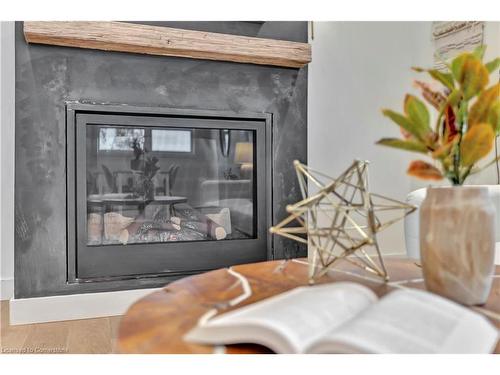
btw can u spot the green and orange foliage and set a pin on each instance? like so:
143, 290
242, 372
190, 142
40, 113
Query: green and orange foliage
468, 119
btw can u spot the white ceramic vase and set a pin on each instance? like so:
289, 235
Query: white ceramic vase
457, 242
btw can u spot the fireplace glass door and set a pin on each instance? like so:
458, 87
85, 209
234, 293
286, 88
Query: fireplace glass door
167, 194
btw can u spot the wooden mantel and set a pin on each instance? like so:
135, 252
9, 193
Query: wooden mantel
166, 41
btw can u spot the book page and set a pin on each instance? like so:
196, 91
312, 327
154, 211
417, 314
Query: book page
413, 321
288, 322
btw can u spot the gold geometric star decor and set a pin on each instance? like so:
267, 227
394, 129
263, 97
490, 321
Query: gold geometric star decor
340, 220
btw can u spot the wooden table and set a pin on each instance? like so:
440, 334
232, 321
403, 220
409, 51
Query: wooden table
158, 322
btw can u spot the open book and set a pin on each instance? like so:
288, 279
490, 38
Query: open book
349, 318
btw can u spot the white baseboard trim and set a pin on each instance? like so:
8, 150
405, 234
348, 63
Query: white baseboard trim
6, 289
73, 306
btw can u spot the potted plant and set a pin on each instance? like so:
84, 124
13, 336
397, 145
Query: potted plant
457, 223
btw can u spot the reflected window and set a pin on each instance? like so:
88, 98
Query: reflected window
119, 139
171, 140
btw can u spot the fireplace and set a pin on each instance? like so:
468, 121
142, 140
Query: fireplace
164, 192
78, 180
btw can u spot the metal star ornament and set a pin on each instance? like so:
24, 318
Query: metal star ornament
340, 220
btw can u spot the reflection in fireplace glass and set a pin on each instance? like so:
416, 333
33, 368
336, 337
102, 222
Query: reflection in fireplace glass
164, 184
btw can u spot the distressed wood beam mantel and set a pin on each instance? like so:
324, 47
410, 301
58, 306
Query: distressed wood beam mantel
166, 41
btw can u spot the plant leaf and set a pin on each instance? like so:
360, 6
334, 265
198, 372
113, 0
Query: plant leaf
470, 73
433, 97
457, 66
446, 149
402, 121
479, 51
450, 128
417, 113
476, 78
403, 145
493, 65
476, 144
442, 151
445, 78
480, 110
424, 171
454, 97
494, 116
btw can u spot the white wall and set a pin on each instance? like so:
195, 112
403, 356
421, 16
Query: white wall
7, 79
358, 68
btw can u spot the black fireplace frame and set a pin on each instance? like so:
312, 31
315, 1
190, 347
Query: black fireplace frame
74, 108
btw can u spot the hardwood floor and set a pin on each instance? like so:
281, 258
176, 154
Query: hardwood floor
86, 336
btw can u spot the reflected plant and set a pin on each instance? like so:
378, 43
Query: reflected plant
151, 167
468, 119
137, 163
135, 144
144, 186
